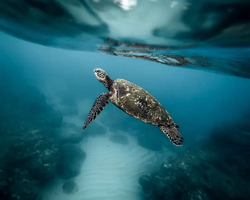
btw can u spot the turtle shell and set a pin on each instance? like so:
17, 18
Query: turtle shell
138, 103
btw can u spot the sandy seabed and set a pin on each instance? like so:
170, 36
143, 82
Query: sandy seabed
109, 172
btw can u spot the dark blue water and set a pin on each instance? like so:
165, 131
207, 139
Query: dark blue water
47, 93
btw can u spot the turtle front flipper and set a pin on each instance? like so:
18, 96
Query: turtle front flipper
101, 101
173, 134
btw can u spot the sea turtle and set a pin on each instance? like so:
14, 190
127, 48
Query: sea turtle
136, 102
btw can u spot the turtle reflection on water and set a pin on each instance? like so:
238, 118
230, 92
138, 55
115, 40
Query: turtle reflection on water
136, 102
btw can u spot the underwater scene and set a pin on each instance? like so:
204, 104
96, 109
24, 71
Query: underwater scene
124, 100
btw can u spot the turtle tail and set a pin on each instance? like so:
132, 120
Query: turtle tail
173, 134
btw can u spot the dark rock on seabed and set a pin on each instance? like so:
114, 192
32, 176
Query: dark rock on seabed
216, 168
31, 151
31, 135
70, 187
28, 165
71, 160
38, 156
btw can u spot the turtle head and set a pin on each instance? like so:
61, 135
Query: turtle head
103, 77
100, 74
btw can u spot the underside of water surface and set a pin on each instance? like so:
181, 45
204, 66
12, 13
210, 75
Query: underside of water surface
187, 33
192, 56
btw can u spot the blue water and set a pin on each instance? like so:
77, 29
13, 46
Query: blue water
200, 102
47, 93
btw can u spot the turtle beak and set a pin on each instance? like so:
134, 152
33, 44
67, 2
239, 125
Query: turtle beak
95, 72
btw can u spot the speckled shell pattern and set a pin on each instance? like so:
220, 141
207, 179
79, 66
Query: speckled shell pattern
138, 103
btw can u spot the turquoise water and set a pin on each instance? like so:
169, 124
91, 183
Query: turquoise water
48, 89
47, 94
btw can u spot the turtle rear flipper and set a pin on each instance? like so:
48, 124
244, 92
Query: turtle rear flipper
101, 101
173, 134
